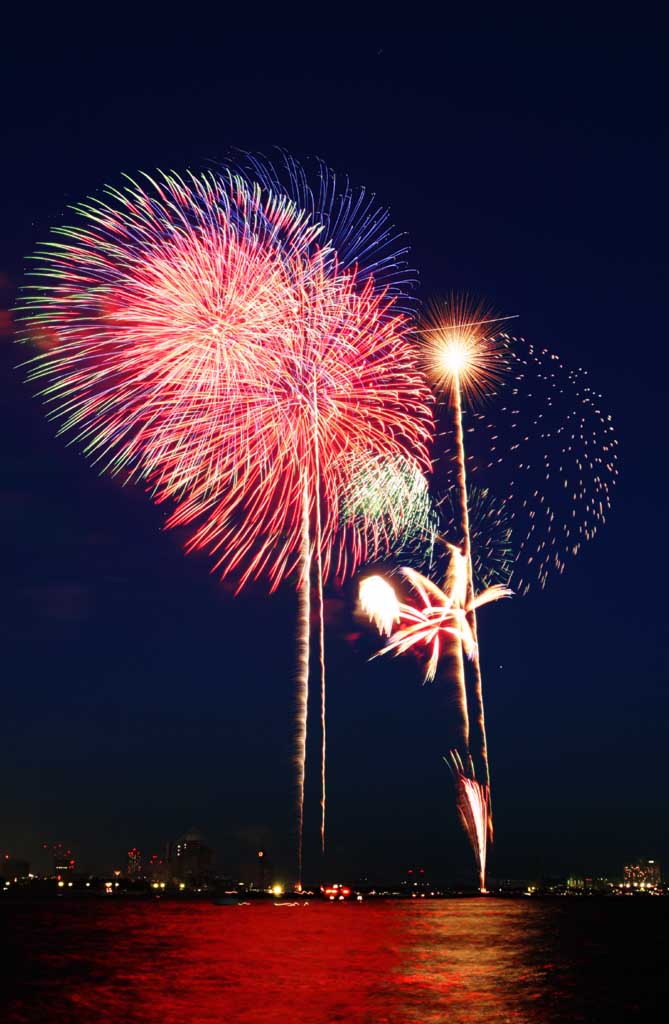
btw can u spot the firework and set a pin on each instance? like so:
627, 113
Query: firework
490, 526
379, 602
473, 803
461, 352
437, 617
357, 241
547, 448
388, 504
440, 612
354, 226
463, 356
210, 343
345, 389
539, 441
465, 360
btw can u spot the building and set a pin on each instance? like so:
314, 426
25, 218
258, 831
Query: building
134, 869
644, 874
262, 868
589, 884
190, 859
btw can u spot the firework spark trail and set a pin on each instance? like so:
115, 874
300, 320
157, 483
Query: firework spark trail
443, 614
467, 553
471, 609
301, 431
303, 656
321, 615
473, 803
546, 440
463, 357
183, 326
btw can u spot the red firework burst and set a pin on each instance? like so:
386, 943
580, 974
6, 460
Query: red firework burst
341, 383
208, 341
208, 345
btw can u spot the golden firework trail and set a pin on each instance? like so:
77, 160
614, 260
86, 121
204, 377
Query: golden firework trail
468, 362
473, 803
442, 614
303, 656
465, 361
321, 609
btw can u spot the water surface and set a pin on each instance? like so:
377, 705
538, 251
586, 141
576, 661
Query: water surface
456, 961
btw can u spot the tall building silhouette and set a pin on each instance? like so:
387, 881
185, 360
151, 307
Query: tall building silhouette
190, 859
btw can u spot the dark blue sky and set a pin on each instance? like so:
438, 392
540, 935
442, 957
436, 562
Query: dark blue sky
528, 164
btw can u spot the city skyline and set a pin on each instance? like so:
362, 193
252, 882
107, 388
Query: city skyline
185, 858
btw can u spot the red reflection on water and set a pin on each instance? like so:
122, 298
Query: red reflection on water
170, 964
114, 961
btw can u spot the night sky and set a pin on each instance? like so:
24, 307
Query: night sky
527, 164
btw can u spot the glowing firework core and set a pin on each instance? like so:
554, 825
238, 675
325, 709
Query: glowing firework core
455, 355
379, 602
460, 353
